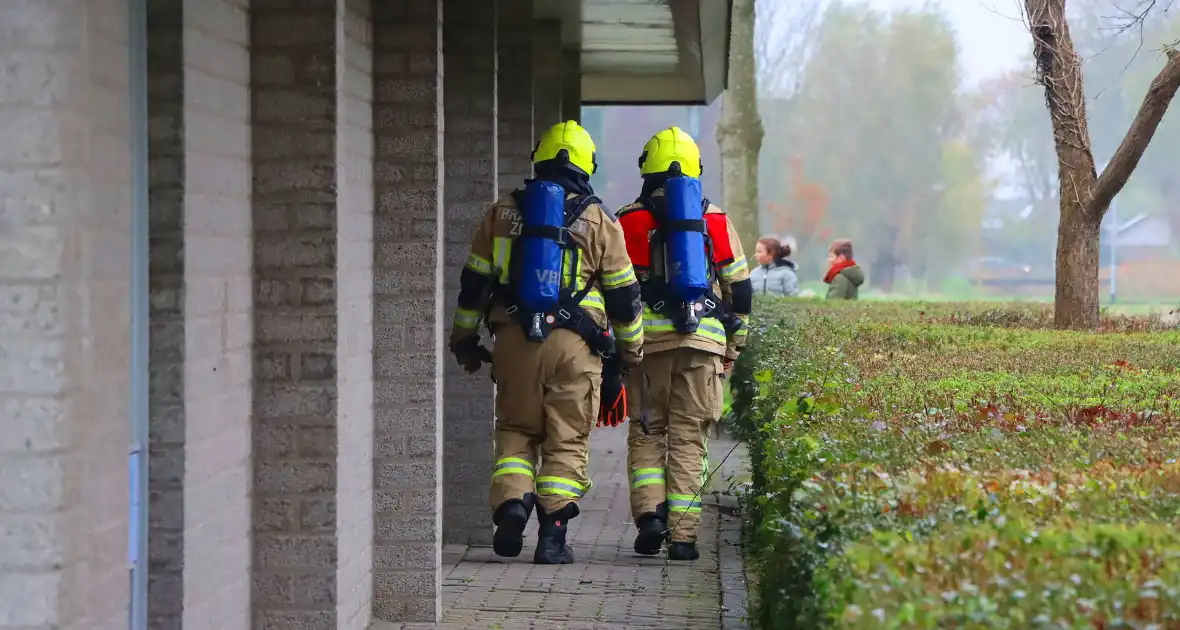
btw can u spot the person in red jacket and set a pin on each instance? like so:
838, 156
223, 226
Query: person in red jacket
844, 276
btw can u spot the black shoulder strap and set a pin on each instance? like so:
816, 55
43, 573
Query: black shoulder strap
709, 249
575, 207
625, 211
518, 198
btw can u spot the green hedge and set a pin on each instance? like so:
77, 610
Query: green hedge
959, 466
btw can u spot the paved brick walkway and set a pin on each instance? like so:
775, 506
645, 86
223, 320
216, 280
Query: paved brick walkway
609, 587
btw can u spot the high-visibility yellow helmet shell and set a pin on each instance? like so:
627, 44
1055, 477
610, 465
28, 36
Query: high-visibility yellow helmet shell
571, 138
669, 147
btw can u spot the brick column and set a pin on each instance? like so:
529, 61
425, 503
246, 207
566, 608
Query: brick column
313, 416
408, 350
571, 85
354, 316
469, 41
201, 330
514, 76
65, 297
547, 72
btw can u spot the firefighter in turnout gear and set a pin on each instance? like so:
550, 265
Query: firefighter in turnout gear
549, 275
697, 297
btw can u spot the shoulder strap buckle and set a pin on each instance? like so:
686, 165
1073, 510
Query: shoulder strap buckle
575, 207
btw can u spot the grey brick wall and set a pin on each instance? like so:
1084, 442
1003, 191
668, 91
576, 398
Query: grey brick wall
571, 85
547, 75
408, 338
514, 75
469, 43
98, 356
166, 337
201, 319
218, 315
354, 308
294, 116
64, 312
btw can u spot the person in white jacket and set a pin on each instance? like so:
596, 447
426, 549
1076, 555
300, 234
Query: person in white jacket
775, 274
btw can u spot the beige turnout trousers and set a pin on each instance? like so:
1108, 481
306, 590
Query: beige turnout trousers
547, 399
670, 464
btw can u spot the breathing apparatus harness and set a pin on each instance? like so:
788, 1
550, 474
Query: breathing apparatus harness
569, 313
654, 286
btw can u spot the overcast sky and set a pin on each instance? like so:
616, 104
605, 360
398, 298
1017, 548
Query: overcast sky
992, 39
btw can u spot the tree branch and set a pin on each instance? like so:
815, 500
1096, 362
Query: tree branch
1155, 104
780, 42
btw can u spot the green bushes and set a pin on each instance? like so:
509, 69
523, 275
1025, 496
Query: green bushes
913, 468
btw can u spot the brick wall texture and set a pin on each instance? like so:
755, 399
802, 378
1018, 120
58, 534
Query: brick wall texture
407, 339
471, 185
166, 165
295, 107
201, 315
514, 92
354, 314
301, 286
64, 307
218, 314
547, 70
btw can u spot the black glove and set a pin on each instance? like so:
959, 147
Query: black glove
470, 354
612, 411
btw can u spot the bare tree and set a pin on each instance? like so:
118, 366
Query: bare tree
781, 44
1085, 195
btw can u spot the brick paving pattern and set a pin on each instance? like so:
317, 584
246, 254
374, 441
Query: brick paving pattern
609, 587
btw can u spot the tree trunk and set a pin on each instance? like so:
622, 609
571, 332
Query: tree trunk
1076, 297
1084, 195
739, 133
1059, 70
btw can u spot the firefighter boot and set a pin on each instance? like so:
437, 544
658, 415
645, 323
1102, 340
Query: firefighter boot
551, 547
510, 520
684, 551
653, 529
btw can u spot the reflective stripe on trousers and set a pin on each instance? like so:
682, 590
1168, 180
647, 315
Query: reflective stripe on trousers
562, 487
684, 503
513, 466
647, 476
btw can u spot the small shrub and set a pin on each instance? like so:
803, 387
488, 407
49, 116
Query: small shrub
961, 468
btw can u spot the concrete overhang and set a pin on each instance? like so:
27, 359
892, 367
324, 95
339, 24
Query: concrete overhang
655, 52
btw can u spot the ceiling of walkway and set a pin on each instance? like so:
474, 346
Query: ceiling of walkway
645, 51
